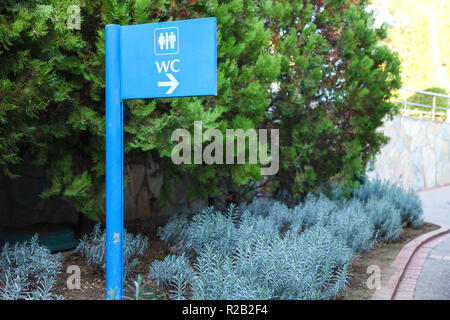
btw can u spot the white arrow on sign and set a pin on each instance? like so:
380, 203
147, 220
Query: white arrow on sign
173, 83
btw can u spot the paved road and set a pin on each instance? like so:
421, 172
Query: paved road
436, 205
434, 279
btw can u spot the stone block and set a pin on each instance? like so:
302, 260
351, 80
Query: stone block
178, 192
418, 180
155, 182
411, 128
166, 211
197, 204
151, 166
417, 154
443, 173
429, 167
136, 175
143, 204
396, 123
416, 158
129, 211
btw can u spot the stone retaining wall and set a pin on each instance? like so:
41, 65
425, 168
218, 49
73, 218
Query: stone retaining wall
417, 155
143, 190
21, 206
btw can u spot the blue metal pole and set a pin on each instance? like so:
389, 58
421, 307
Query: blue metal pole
114, 167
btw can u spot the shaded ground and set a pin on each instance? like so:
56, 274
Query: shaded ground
436, 205
383, 254
92, 286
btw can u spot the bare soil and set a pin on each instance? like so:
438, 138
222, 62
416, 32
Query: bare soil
92, 286
382, 255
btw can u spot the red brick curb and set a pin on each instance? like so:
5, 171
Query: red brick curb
408, 264
433, 188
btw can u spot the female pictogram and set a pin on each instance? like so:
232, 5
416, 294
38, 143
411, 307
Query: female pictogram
166, 40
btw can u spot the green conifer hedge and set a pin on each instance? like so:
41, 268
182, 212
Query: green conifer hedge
313, 69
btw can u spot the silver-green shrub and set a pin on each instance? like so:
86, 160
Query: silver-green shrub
265, 250
267, 266
139, 291
28, 271
93, 248
208, 226
242, 254
385, 217
316, 209
175, 229
408, 203
346, 219
351, 223
175, 272
164, 271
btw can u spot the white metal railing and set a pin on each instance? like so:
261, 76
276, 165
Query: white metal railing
434, 109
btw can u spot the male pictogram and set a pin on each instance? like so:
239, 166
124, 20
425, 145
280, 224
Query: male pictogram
172, 39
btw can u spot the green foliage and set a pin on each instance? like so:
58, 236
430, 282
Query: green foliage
440, 102
138, 288
313, 69
428, 100
52, 89
334, 89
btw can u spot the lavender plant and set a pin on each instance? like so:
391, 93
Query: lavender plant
385, 217
244, 255
265, 250
140, 292
28, 271
44, 290
171, 267
351, 223
93, 248
408, 203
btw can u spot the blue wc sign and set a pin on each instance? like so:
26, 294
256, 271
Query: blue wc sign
169, 59
155, 60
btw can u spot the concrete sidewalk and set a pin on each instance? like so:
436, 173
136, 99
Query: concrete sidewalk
434, 279
436, 205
